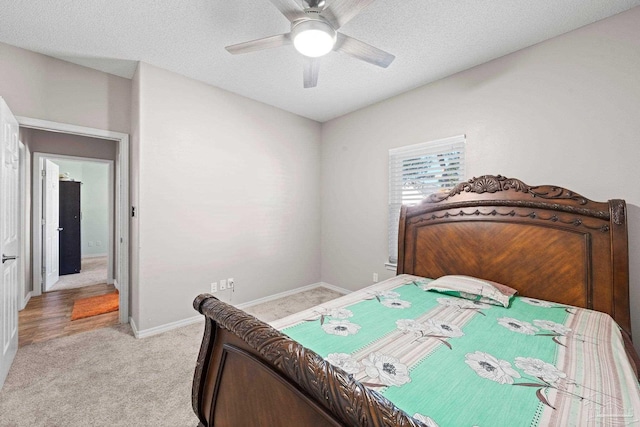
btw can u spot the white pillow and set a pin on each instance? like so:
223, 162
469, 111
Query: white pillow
473, 289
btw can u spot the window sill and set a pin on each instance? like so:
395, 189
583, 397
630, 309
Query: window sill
389, 266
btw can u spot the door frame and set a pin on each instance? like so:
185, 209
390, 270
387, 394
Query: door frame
25, 282
38, 213
122, 204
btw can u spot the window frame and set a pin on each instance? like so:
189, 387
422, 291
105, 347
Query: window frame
400, 195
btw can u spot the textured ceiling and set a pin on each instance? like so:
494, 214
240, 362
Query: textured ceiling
431, 39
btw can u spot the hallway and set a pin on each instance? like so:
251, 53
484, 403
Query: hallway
49, 316
93, 272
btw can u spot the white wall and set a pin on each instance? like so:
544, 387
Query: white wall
228, 187
94, 200
563, 112
71, 145
94, 204
42, 87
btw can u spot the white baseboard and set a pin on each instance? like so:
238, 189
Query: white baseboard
95, 255
163, 328
292, 292
195, 319
114, 283
134, 328
25, 301
343, 291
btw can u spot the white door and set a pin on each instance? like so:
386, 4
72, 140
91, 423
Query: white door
9, 242
51, 224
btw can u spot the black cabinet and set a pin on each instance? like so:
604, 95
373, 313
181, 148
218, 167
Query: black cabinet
70, 250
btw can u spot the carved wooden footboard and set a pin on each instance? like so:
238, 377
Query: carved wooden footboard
250, 374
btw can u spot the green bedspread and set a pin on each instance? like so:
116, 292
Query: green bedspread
452, 362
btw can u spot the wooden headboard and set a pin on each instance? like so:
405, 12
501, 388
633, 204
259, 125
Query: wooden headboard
546, 241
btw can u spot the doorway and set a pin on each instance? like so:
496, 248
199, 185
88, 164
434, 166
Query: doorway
119, 249
76, 205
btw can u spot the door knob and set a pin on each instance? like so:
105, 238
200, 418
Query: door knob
60, 228
8, 258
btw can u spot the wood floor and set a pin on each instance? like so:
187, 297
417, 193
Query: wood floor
49, 316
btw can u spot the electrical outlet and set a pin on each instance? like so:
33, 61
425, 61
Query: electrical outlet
98, 243
375, 277
223, 284
230, 282
214, 287
90, 243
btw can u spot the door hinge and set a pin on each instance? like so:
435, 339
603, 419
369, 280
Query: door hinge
44, 172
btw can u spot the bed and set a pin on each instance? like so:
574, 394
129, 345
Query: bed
558, 249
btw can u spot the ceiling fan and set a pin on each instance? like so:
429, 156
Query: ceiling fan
314, 33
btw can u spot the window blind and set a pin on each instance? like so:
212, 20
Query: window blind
416, 171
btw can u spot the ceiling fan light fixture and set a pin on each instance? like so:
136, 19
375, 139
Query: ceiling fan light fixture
313, 38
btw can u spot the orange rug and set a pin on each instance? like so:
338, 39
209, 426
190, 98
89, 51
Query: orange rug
93, 306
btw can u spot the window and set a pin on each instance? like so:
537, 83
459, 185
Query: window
418, 170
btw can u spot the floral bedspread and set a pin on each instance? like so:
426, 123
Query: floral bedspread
453, 362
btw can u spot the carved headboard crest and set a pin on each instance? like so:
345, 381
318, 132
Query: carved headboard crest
495, 183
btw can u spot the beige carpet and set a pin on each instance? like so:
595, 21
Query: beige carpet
109, 378
283, 307
93, 271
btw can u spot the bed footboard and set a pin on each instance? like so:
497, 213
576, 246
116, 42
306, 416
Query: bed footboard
250, 374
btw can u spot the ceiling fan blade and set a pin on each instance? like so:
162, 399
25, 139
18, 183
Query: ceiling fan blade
339, 12
289, 8
260, 44
311, 69
363, 51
